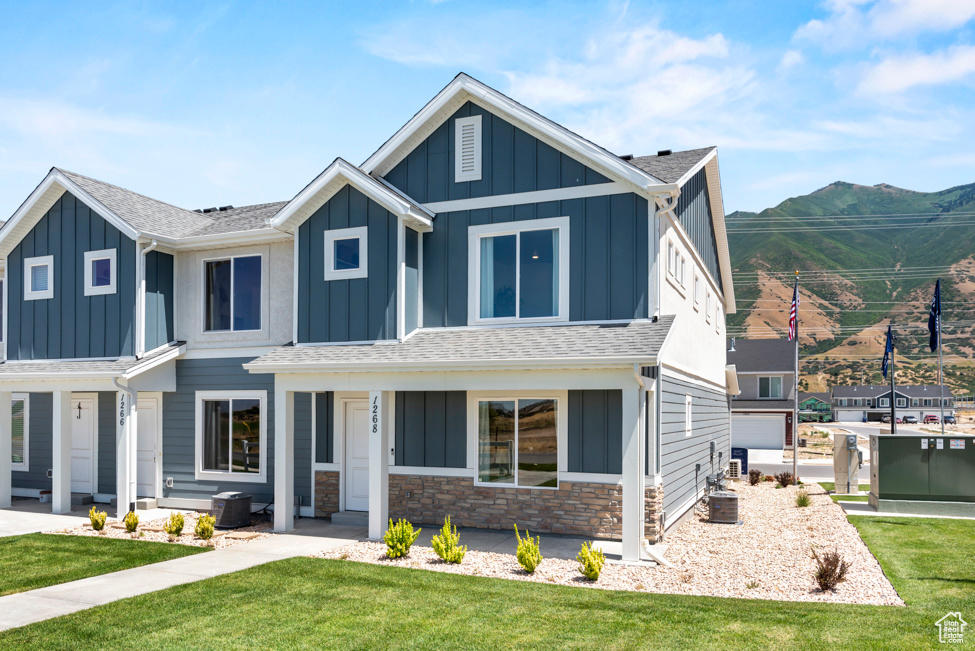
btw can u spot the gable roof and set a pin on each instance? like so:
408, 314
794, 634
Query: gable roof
758, 355
875, 391
820, 396
464, 88
332, 179
673, 167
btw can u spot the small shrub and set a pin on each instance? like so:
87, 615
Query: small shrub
529, 556
131, 521
204, 527
174, 525
399, 537
831, 569
590, 561
751, 585
802, 499
784, 479
97, 519
769, 478
755, 477
446, 544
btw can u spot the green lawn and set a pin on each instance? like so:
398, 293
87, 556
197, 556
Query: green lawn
829, 486
314, 603
38, 559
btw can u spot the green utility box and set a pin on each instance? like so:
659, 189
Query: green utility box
932, 475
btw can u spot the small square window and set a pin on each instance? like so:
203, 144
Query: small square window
346, 253
100, 272
39, 278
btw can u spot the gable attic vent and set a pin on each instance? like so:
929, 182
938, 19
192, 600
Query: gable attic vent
467, 149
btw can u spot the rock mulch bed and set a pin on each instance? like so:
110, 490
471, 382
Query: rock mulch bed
152, 530
767, 557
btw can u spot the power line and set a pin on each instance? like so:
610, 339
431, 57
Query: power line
827, 229
849, 216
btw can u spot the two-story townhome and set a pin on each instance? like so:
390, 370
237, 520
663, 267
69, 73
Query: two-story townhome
815, 407
855, 404
762, 414
491, 318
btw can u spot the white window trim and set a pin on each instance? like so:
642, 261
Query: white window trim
25, 466
39, 261
91, 256
360, 233
203, 294
688, 415
883, 402
771, 396
901, 402
475, 174
561, 434
221, 475
474, 235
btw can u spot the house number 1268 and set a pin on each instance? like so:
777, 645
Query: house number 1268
375, 415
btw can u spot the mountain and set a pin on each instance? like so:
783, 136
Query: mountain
867, 256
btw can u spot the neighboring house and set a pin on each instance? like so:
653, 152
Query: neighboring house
761, 415
871, 403
815, 407
491, 318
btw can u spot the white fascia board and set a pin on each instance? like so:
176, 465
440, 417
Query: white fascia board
154, 362
292, 215
720, 231
454, 365
96, 375
731, 377
481, 94
219, 240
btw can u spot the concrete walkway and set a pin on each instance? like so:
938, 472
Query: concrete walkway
864, 508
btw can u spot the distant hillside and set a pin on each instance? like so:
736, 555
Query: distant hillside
900, 240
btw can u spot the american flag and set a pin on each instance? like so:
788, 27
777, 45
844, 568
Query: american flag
794, 312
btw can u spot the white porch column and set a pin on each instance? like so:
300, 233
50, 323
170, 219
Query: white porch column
126, 410
6, 445
633, 480
380, 423
61, 454
284, 459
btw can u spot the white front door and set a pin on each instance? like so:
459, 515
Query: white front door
357, 455
146, 453
82, 446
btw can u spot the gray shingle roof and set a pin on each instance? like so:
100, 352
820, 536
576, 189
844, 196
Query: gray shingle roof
823, 397
159, 218
756, 405
520, 347
754, 355
672, 167
873, 391
12, 370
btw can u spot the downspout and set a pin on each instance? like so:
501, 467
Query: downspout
655, 553
140, 312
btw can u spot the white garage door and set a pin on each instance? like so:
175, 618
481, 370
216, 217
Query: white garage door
758, 432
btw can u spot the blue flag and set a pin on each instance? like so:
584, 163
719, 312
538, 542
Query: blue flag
888, 350
934, 320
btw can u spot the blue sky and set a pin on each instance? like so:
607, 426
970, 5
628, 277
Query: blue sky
212, 104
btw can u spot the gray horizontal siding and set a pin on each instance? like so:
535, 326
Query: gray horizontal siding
512, 161
71, 325
680, 453
431, 429
361, 309
694, 214
595, 437
608, 265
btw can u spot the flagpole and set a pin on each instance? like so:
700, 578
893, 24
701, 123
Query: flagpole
941, 371
893, 400
795, 412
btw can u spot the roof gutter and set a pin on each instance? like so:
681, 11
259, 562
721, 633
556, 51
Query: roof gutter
467, 365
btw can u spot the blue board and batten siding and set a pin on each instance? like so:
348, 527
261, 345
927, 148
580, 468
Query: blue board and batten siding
694, 214
679, 453
160, 294
512, 161
608, 257
361, 309
595, 436
71, 325
179, 430
411, 300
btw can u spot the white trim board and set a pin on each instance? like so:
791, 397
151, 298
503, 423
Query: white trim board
521, 198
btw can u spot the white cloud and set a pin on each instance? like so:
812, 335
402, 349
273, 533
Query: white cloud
791, 59
899, 73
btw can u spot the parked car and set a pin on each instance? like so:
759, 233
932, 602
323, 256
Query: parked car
950, 420
899, 420
910, 420
885, 418
931, 419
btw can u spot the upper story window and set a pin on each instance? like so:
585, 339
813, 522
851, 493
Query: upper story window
346, 253
770, 387
697, 290
842, 402
671, 258
883, 402
232, 294
519, 271
927, 402
467, 149
100, 272
707, 306
39, 278
902, 402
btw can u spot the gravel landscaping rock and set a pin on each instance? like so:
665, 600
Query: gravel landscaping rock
767, 557
152, 530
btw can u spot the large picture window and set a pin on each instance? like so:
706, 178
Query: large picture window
20, 447
231, 435
519, 271
232, 294
518, 442
770, 387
